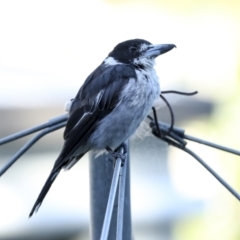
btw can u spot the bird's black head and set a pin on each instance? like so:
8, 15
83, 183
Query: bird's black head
126, 51
138, 52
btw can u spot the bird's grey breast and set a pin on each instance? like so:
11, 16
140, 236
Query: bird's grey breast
135, 102
142, 91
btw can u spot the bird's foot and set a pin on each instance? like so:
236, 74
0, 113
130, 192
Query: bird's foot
117, 154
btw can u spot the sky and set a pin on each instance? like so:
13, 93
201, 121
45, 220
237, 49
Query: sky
48, 48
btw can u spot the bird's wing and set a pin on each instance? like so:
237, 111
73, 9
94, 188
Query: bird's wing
98, 96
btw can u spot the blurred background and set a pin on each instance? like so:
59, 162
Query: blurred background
48, 48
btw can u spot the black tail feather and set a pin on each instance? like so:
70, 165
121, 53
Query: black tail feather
44, 191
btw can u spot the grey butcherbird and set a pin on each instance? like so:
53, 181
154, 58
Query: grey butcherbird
110, 105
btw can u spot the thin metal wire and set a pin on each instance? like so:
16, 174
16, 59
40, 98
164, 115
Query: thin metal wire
155, 119
220, 179
180, 93
170, 108
121, 200
175, 143
181, 133
28, 145
210, 144
171, 113
29, 131
111, 199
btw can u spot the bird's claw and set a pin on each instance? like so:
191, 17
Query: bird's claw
116, 154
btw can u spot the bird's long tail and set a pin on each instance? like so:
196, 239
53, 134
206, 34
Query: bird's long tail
44, 191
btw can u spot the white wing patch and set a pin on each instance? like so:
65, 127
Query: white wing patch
110, 61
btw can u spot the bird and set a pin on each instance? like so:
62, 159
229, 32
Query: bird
110, 105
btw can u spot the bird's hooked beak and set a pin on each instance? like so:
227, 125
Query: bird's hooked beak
158, 49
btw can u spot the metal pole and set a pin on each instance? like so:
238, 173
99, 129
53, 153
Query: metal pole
101, 174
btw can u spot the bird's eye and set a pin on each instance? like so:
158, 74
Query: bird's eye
133, 49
